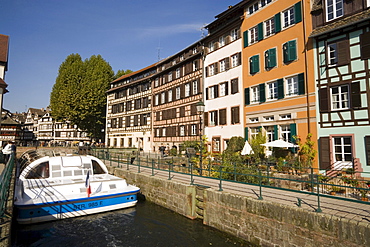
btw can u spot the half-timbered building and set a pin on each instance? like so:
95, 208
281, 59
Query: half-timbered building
129, 110
342, 44
177, 88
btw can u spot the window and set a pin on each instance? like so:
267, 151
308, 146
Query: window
270, 58
156, 101
234, 34
285, 116
213, 92
254, 131
342, 149
195, 50
254, 64
338, 53
215, 144
270, 133
211, 69
163, 97
255, 94
234, 86
178, 73
235, 60
169, 95
223, 117
170, 76
339, 97
288, 16
292, 86
285, 133
127, 121
213, 118
235, 118
269, 118
222, 65
253, 34
334, 9
253, 8
270, 27
222, 41
272, 92
39, 172
195, 87
224, 89
332, 54
193, 130
290, 51
253, 120
365, 42
187, 89
195, 65
211, 46
156, 84
178, 91
182, 130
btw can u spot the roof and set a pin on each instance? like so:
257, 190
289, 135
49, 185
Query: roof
3, 85
4, 47
341, 23
134, 73
38, 112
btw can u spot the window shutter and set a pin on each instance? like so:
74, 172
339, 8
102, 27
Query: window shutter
260, 31
270, 60
216, 118
254, 64
285, 53
246, 96
292, 50
301, 86
276, 133
262, 92
355, 95
365, 45
227, 63
245, 37
280, 87
222, 116
246, 133
239, 58
343, 52
216, 91
277, 20
227, 88
324, 153
293, 132
206, 69
367, 149
216, 68
323, 100
206, 119
207, 93
298, 12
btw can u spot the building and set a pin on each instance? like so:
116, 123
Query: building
129, 120
10, 129
278, 70
177, 89
342, 51
223, 81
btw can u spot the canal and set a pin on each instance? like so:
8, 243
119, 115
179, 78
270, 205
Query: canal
146, 224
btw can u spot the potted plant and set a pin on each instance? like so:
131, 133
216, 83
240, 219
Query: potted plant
334, 189
363, 193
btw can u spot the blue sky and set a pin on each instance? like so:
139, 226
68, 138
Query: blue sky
128, 34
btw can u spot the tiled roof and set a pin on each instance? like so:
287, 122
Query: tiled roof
4, 45
134, 73
341, 23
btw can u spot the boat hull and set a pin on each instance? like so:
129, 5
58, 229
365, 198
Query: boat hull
55, 210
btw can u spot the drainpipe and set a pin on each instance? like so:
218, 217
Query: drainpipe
306, 69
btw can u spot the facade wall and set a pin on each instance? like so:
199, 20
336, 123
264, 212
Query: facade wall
280, 92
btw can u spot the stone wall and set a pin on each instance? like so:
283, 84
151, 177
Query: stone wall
260, 222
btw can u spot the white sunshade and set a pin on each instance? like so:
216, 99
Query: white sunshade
247, 149
280, 144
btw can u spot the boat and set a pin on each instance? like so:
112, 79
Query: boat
52, 186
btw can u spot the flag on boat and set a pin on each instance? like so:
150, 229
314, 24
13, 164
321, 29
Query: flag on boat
87, 184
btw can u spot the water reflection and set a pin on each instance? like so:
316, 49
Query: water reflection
145, 225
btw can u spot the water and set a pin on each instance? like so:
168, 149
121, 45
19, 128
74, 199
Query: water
144, 225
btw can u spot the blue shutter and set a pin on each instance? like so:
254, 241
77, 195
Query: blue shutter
246, 96
301, 87
297, 12
277, 22
245, 37
280, 86
262, 92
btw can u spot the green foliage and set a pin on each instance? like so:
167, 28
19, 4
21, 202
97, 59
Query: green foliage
306, 151
234, 147
79, 93
258, 150
121, 73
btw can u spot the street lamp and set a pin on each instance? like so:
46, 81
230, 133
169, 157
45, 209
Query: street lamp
200, 110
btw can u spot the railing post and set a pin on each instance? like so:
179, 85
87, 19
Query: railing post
234, 171
260, 184
152, 167
138, 164
318, 210
128, 163
169, 169
220, 184
118, 160
191, 174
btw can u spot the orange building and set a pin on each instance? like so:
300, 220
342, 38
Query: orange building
278, 73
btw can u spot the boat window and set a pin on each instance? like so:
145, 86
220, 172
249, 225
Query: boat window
97, 169
40, 171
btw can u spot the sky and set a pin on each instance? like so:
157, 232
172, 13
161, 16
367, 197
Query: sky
128, 34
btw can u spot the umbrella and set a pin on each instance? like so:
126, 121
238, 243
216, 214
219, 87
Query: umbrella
247, 149
280, 144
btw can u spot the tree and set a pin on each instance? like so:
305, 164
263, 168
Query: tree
234, 147
258, 150
121, 73
306, 151
79, 93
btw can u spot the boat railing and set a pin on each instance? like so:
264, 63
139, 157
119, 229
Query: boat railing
5, 189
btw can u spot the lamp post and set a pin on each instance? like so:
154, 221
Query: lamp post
200, 110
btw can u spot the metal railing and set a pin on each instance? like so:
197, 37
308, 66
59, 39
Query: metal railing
5, 182
347, 184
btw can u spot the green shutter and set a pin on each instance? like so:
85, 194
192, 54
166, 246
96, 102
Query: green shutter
280, 86
272, 57
292, 50
277, 23
246, 96
246, 133
293, 133
245, 37
301, 87
276, 134
260, 31
262, 92
254, 64
285, 53
298, 12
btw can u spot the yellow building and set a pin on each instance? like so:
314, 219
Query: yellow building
278, 76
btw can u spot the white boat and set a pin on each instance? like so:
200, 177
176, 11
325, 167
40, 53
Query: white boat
58, 187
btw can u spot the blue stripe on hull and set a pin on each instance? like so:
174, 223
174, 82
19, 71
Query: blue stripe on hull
77, 207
